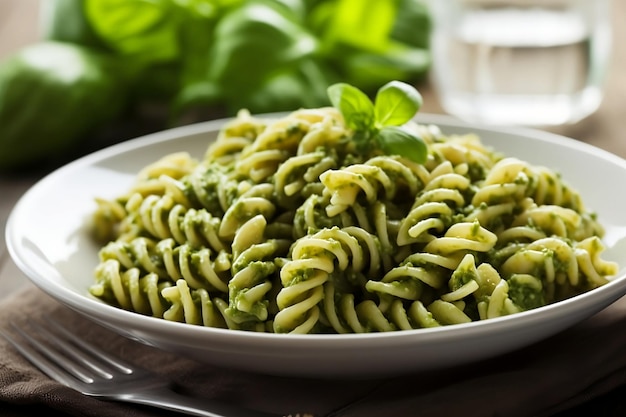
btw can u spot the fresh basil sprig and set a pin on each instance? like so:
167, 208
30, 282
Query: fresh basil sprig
381, 124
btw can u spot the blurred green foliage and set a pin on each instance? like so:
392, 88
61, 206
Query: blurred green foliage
223, 55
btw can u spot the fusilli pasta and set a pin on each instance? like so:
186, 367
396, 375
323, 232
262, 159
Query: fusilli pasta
283, 226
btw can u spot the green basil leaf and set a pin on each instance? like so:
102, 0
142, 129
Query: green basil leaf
288, 89
144, 30
355, 106
396, 140
396, 103
254, 41
351, 17
207, 9
369, 70
413, 25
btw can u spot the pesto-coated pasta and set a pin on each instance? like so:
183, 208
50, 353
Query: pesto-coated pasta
285, 225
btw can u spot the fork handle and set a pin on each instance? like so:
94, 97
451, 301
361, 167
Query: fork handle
171, 400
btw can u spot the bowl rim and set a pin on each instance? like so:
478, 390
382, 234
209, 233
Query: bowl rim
85, 304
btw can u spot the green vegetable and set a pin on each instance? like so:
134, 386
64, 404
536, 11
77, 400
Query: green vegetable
413, 24
264, 55
396, 104
370, 42
51, 95
399, 62
143, 30
349, 19
289, 89
382, 124
257, 39
199, 59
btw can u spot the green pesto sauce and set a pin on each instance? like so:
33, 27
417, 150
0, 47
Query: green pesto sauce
348, 185
242, 213
320, 218
208, 182
258, 311
550, 197
526, 292
559, 265
459, 278
476, 171
408, 286
188, 190
261, 269
301, 276
294, 129
521, 180
475, 229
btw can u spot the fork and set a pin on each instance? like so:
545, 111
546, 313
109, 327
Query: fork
94, 372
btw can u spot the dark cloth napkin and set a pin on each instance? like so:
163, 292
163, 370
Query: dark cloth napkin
581, 369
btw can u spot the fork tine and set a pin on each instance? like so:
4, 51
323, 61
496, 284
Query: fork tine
42, 362
115, 362
139, 387
69, 350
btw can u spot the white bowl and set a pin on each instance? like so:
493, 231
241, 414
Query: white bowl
47, 237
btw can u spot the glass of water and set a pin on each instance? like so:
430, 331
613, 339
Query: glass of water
520, 62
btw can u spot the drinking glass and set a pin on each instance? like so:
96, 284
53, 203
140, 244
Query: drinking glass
520, 62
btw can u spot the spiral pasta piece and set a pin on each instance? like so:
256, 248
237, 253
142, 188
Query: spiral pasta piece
107, 219
130, 289
550, 219
434, 208
590, 263
259, 166
378, 178
313, 259
200, 267
285, 134
463, 236
552, 190
507, 181
286, 225
295, 177
325, 130
462, 150
191, 306
162, 218
252, 270
256, 200
407, 281
346, 184
553, 256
